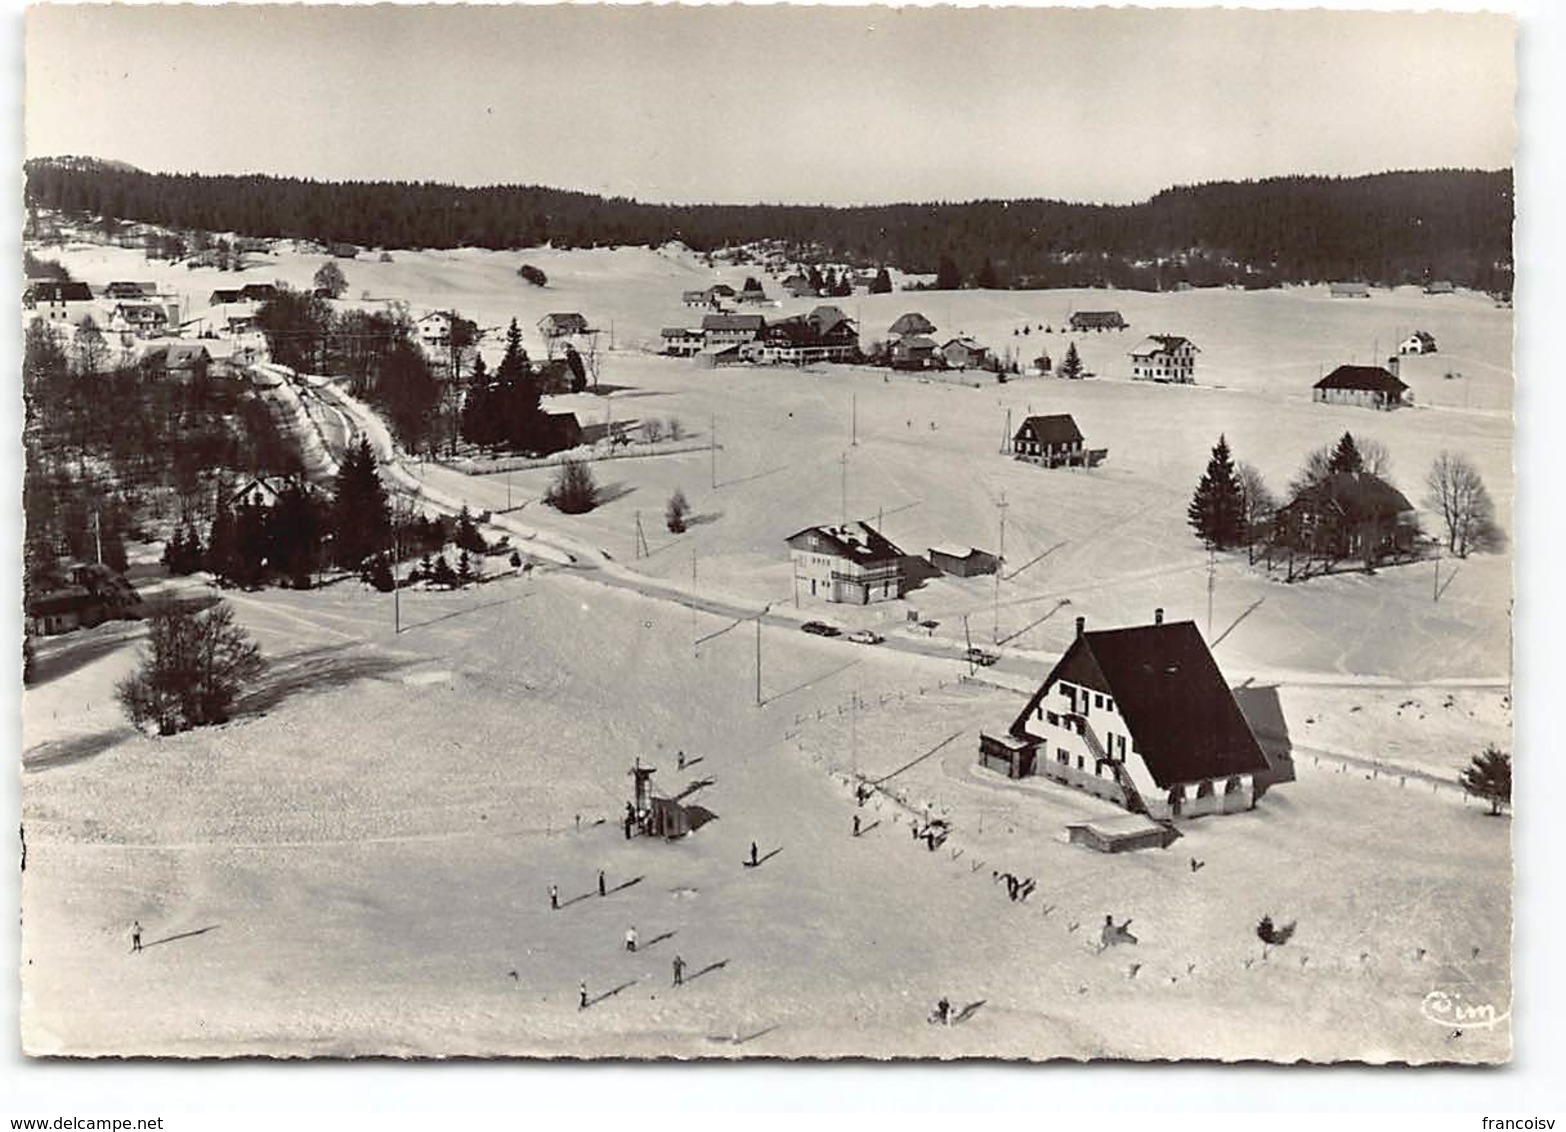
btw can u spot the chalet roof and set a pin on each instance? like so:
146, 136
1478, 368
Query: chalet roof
912, 323
1183, 719
827, 318
679, 332
61, 291
1160, 344
1439, 287
1097, 318
1056, 428
1356, 496
1349, 289
225, 295
751, 322
258, 292
129, 289
856, 541
967, 344
915, 342
721, 289
1424, 337
183, 354
954, 551
1374, 378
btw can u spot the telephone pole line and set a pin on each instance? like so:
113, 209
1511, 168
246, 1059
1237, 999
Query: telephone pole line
843, 460
712, 445
1000, 560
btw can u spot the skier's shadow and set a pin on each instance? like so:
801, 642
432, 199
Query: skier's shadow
657, 939
763, 859
626, 884
866, 829
967, 1012
612, 993
574, 899
718, 966
181, 935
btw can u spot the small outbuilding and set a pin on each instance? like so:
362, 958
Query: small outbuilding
1419, 342
1098, 320
961, 563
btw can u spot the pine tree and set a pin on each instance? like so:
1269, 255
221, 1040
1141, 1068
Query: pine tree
1489, 776
882, 284
1071, 364
1217, 510
222, 543
1345, 457
467, 536
193, 669
478, 409
464, 569
361, 515
443, 574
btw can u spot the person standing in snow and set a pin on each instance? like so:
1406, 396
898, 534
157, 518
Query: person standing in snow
682, 760
753, 858
856, 825
630, 940
679, 971
554, 898
601, 888
581, 990
135, 935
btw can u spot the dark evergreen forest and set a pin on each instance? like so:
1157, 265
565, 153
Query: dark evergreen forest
1383, 228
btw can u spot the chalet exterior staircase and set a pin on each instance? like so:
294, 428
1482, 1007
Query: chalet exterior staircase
1134, 801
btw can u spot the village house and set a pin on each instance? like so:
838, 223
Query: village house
1140, 717
960, 563
798, 286
1051, 441
249, 293
826, 334
680, 342
59, 301
698, 300
1348, 290
850, 563
1348, 515
566, 325
1440, 287
1097, 320
434, 331
133, 320
1370, 387
83, 596
1419, 342
1165, 357
915, 351
721, 330
965, 353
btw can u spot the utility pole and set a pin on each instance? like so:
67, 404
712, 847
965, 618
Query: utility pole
1435, 589
758, 657
1006, 436
1000, 562
97, 535
968, 642
1212, 566
712, 444
843, 460
854, 426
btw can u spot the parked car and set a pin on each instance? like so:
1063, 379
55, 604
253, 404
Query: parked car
865, 637
976, 655
821, 629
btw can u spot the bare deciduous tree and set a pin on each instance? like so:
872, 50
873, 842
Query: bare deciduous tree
1457, 493
1259, 504
652, 429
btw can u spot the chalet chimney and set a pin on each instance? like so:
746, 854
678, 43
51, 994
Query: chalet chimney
1392, 365
1158, 616
1081, 624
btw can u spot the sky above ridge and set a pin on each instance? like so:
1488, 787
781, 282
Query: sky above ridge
835, 105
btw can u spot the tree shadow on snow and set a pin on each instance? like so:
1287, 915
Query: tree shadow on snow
314, 670
66, 752
61, 659
609, 492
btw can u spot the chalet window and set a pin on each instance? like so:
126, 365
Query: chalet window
1109, 703
1098, 699
1065, 759
1079, 762
1054, 719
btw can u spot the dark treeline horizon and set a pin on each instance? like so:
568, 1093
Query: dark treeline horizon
1389, 228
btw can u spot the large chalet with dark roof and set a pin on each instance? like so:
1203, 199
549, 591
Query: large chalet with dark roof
60, 301
1098, 320
851, 562
1140, 717
1370, 387
826, 334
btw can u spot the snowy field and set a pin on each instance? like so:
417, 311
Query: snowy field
359, 863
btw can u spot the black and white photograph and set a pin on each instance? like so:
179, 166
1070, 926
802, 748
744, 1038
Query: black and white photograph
733, 533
